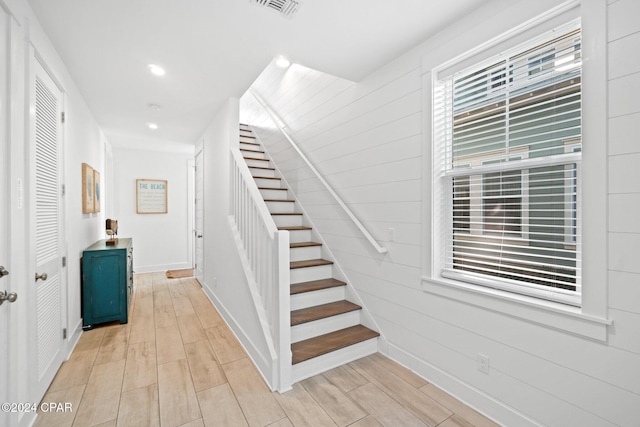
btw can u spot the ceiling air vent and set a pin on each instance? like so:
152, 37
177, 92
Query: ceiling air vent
283, 7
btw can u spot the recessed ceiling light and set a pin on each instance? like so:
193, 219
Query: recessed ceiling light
154, 107
157, 70
152, 126
282, 62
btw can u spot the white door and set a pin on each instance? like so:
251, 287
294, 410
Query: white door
199, 218
46, 294
7, 346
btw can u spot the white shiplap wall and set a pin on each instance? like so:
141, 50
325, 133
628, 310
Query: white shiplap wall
624, 177
366, 138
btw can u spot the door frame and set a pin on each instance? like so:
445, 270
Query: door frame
191, 211
200, 189
7, 311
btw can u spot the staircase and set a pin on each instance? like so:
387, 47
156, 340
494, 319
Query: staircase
325, 327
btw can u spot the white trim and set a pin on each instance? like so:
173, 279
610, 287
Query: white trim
594, 158
511, 35
191, 175
262, 363
535, 310
161, 267
591, 319
530, 163
460, 390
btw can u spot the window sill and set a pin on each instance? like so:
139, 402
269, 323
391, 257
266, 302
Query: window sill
546, 313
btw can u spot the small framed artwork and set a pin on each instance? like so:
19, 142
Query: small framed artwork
151, 196
96, 191
87, 189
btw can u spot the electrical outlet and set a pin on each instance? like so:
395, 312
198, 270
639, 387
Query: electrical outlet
483, 363
392, 234
215, 283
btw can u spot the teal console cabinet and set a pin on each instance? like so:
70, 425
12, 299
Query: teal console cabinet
107, 282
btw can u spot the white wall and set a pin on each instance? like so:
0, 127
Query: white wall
83, 142
224, 279
368, 139
161, 241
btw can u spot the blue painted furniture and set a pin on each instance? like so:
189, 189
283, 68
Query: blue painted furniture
107, 282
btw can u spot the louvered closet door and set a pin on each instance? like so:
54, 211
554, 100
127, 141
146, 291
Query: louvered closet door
46, 226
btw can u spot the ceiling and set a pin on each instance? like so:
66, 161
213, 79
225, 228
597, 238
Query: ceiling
214, 49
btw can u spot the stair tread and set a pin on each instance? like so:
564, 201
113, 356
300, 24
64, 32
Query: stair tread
323, 344
266, 177
304, 244
295, 228
286, 213
251, 151
309, 263
279, 200
250, 143
255, 158
268, 188
262, 167
322, 311
315, 285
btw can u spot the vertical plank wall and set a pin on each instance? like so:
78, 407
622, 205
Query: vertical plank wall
366, 138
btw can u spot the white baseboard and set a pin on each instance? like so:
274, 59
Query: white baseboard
262, 362
161, 267
73, 339
470, 396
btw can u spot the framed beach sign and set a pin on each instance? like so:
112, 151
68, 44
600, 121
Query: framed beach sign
151, 196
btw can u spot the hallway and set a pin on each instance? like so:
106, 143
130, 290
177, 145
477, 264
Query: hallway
176, 363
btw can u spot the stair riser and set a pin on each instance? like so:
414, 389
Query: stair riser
310, 252
324, 326
307, 274
287, 220
246, 138
281, 207
268, 183
299, 236
253, 153
262, 172
317, 365
250, 146
257, 163
322, 296
275, 194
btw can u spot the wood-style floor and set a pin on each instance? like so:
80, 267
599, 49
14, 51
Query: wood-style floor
176, 363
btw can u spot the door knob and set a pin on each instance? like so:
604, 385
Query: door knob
199, 236
42, 276
3, 271
11, 297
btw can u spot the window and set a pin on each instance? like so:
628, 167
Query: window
509, 134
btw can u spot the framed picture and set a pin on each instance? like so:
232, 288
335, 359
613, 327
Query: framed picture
87, 189
151, 196
96, 191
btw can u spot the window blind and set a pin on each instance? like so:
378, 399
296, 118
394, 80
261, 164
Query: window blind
509, 131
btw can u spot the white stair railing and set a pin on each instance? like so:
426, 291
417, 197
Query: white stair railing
280, 124
267, 255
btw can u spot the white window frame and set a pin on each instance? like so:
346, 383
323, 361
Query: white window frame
590, 319
476, 198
